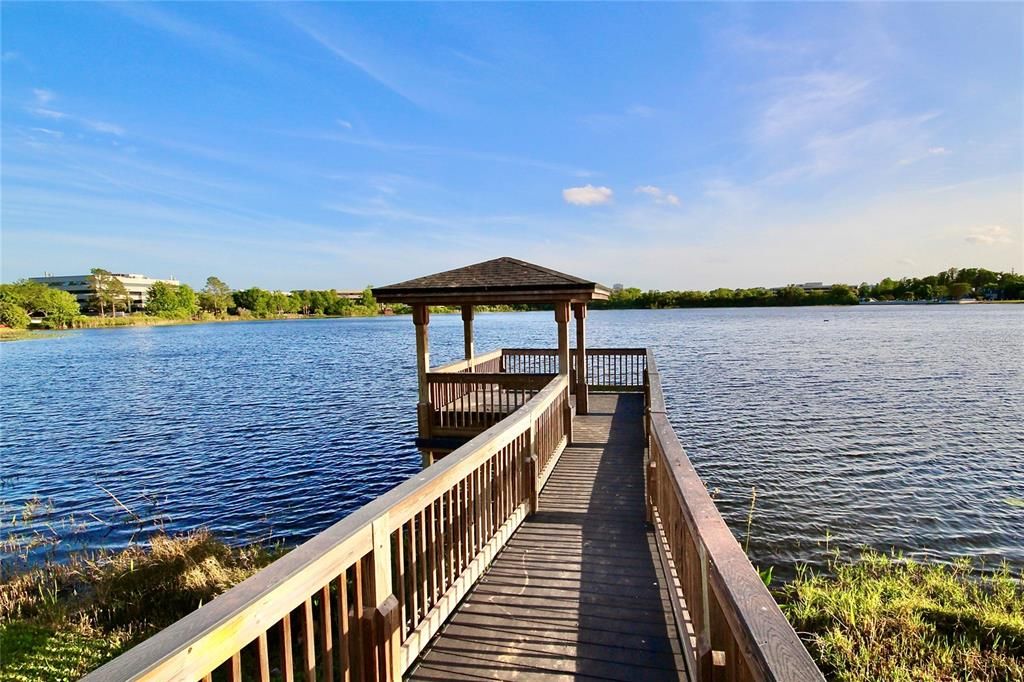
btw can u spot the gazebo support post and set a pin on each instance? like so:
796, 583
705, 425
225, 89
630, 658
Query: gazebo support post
421, 318
582, 396
562, 318
467, 332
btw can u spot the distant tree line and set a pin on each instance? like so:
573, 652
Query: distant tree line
25, 302
951, 284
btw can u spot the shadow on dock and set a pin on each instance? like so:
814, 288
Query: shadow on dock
577, 593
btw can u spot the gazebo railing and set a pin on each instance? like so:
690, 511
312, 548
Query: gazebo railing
608, 369
471, 402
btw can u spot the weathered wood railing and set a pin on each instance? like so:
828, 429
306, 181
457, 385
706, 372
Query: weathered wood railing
467, 403
360, 600
530, 360
608, 369
729, 625
488, 362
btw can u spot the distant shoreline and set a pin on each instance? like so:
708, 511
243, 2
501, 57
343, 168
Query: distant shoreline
7, 334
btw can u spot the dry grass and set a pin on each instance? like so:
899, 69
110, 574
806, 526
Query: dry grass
60, 620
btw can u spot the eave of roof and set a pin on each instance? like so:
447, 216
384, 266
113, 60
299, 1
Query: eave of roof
501, 280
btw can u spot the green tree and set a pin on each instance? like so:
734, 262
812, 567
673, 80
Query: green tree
103, 291
791, 295
958, 290
59, 308
215, 296
162, 300
368, 301
118, 296
13, 315
188, 303
253, 299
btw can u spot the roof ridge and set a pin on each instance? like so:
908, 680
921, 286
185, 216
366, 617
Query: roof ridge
545, 271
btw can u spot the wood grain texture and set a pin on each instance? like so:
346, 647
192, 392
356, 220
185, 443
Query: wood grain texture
576, 593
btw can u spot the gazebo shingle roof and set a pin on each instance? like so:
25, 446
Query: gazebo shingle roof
501, 280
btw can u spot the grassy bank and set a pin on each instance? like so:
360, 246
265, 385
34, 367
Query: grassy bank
876, 618
61, 620
885, 618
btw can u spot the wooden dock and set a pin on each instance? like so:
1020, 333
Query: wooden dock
556, 531
578, 593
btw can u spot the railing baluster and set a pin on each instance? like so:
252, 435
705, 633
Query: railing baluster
344, 628
287, 663
308, 635
263, 655
326, 635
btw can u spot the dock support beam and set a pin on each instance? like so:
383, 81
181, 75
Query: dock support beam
467, 332
421, 318
582, 396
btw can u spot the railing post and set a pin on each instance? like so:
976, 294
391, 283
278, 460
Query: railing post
567, 417
580, 379
421, 320
532, 468
381, 647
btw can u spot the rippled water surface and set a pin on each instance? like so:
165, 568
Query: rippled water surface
895, 427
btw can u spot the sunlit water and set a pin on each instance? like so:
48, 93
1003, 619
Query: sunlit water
893, 427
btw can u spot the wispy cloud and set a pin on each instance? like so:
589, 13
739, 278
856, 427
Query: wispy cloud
797, 103
204, 37
928, 153
659, 195
342, 52
42, 108
588, 195
989, 235
43, 96
438, 150
610, 121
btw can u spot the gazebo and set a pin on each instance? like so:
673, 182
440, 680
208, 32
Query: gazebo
446, 416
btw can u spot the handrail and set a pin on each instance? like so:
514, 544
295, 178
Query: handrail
369, 592
727, 621
476, 361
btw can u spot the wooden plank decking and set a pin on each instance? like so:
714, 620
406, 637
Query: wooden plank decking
577, 593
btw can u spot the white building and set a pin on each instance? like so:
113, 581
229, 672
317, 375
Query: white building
137, 286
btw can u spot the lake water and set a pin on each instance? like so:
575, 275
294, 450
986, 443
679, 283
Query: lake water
894, 427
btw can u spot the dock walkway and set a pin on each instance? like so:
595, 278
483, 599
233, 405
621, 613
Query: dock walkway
577, 593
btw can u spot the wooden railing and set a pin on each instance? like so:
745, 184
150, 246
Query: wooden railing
488, 362
729, 625
462, 403
608, 369
616, 369
360, 600
530, 360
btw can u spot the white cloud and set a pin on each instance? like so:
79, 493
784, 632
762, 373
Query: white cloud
343, 123
806, 102
44, 96
988, 235
659, 195
641, 111
103, 127
931, 151
42, 109
587, 195
48, 113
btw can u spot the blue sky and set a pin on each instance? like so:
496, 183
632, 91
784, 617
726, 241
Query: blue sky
658, 145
